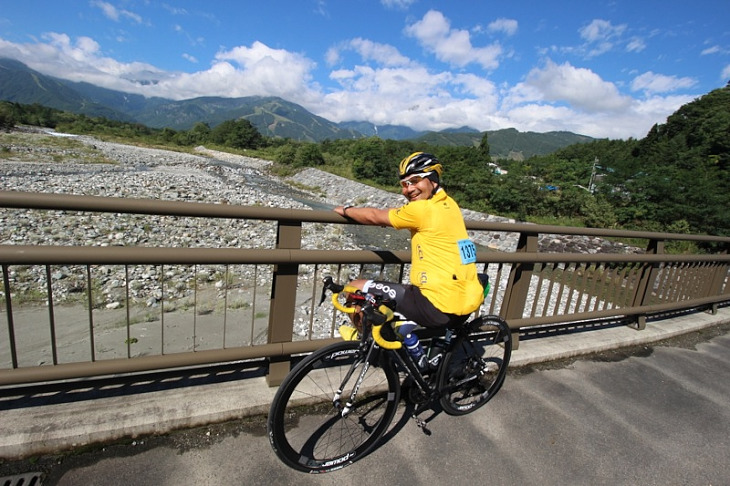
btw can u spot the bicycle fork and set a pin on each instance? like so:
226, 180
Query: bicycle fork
337, 399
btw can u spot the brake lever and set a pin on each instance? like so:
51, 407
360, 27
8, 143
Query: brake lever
324, 295
331, 286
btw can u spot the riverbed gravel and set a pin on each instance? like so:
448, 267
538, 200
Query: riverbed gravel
32, 163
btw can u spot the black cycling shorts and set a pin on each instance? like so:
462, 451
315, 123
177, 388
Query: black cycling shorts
412, 304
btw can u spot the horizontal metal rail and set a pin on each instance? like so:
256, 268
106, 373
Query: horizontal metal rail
70, 202
94, 255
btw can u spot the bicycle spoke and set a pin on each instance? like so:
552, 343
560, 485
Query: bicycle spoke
474, 370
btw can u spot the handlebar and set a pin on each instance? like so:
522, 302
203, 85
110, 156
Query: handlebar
369, 305
382, 342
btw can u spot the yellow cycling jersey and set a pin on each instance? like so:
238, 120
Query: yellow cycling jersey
442, 256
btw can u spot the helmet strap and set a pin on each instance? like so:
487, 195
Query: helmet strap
434, 177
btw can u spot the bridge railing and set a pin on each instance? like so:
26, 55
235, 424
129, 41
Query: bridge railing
71, 311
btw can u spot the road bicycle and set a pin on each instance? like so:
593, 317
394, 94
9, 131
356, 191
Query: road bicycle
335, 405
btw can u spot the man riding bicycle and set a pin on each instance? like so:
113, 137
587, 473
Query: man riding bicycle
444, 288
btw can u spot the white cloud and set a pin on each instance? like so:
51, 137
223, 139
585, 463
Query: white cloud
578, 87
404, 83
408, 95
401, 4
476, 86
422, 110
601, 36
650, 82
332, 56
107, 9
382, 54
115, 14
538, 117
634, 121
258, 70
449, 45
193, 41
81, 60
563, 97
508, 26
174, 10
710, 50
725, 73
636, 44
601, 30
83, 49
266, 70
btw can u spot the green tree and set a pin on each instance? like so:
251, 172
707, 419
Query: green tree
598, 213
484, 148
308, 155
286, 154
515, 195
167, 135
7, 116
200, 133
240, 134
467, 175
369, 161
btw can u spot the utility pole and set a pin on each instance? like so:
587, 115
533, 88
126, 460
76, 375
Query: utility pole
592, 183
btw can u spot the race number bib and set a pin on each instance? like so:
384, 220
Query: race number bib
468, 251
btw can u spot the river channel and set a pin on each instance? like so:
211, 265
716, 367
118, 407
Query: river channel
366, 237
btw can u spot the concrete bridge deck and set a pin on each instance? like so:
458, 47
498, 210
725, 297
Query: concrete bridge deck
662, 419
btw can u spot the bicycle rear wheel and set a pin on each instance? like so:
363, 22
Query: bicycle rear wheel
308, 427
474, 370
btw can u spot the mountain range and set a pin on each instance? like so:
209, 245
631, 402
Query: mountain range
272, 116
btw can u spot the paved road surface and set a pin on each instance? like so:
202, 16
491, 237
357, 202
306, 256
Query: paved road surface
657, 417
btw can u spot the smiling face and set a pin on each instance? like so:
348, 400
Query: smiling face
417, 187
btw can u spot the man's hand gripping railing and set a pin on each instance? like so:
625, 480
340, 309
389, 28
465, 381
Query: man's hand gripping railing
375, 313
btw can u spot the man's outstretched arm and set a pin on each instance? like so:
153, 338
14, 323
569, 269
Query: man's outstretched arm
371, 216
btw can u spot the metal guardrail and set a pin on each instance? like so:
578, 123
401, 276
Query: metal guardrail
228, 304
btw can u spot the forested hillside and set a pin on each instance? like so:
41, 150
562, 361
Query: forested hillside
676, 178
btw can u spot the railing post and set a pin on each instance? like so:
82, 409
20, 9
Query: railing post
283, 299
9, 311
717, 285
646, 281
518, 285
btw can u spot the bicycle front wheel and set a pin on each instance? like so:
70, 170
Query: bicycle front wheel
474, 370
315, 426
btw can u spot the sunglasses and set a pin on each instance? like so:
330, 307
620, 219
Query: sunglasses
412, 181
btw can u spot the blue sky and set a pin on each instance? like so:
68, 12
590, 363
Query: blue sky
608, 69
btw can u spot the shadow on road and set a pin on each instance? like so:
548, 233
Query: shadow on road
37, 395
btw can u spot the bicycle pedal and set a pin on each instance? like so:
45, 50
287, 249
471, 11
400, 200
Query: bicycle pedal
422, 425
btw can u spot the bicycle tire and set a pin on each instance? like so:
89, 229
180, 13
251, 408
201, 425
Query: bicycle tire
473, 371
307, 430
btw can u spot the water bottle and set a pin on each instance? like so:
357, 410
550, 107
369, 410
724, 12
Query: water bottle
413, 345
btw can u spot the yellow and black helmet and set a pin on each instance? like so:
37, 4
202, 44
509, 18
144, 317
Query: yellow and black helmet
419, 163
